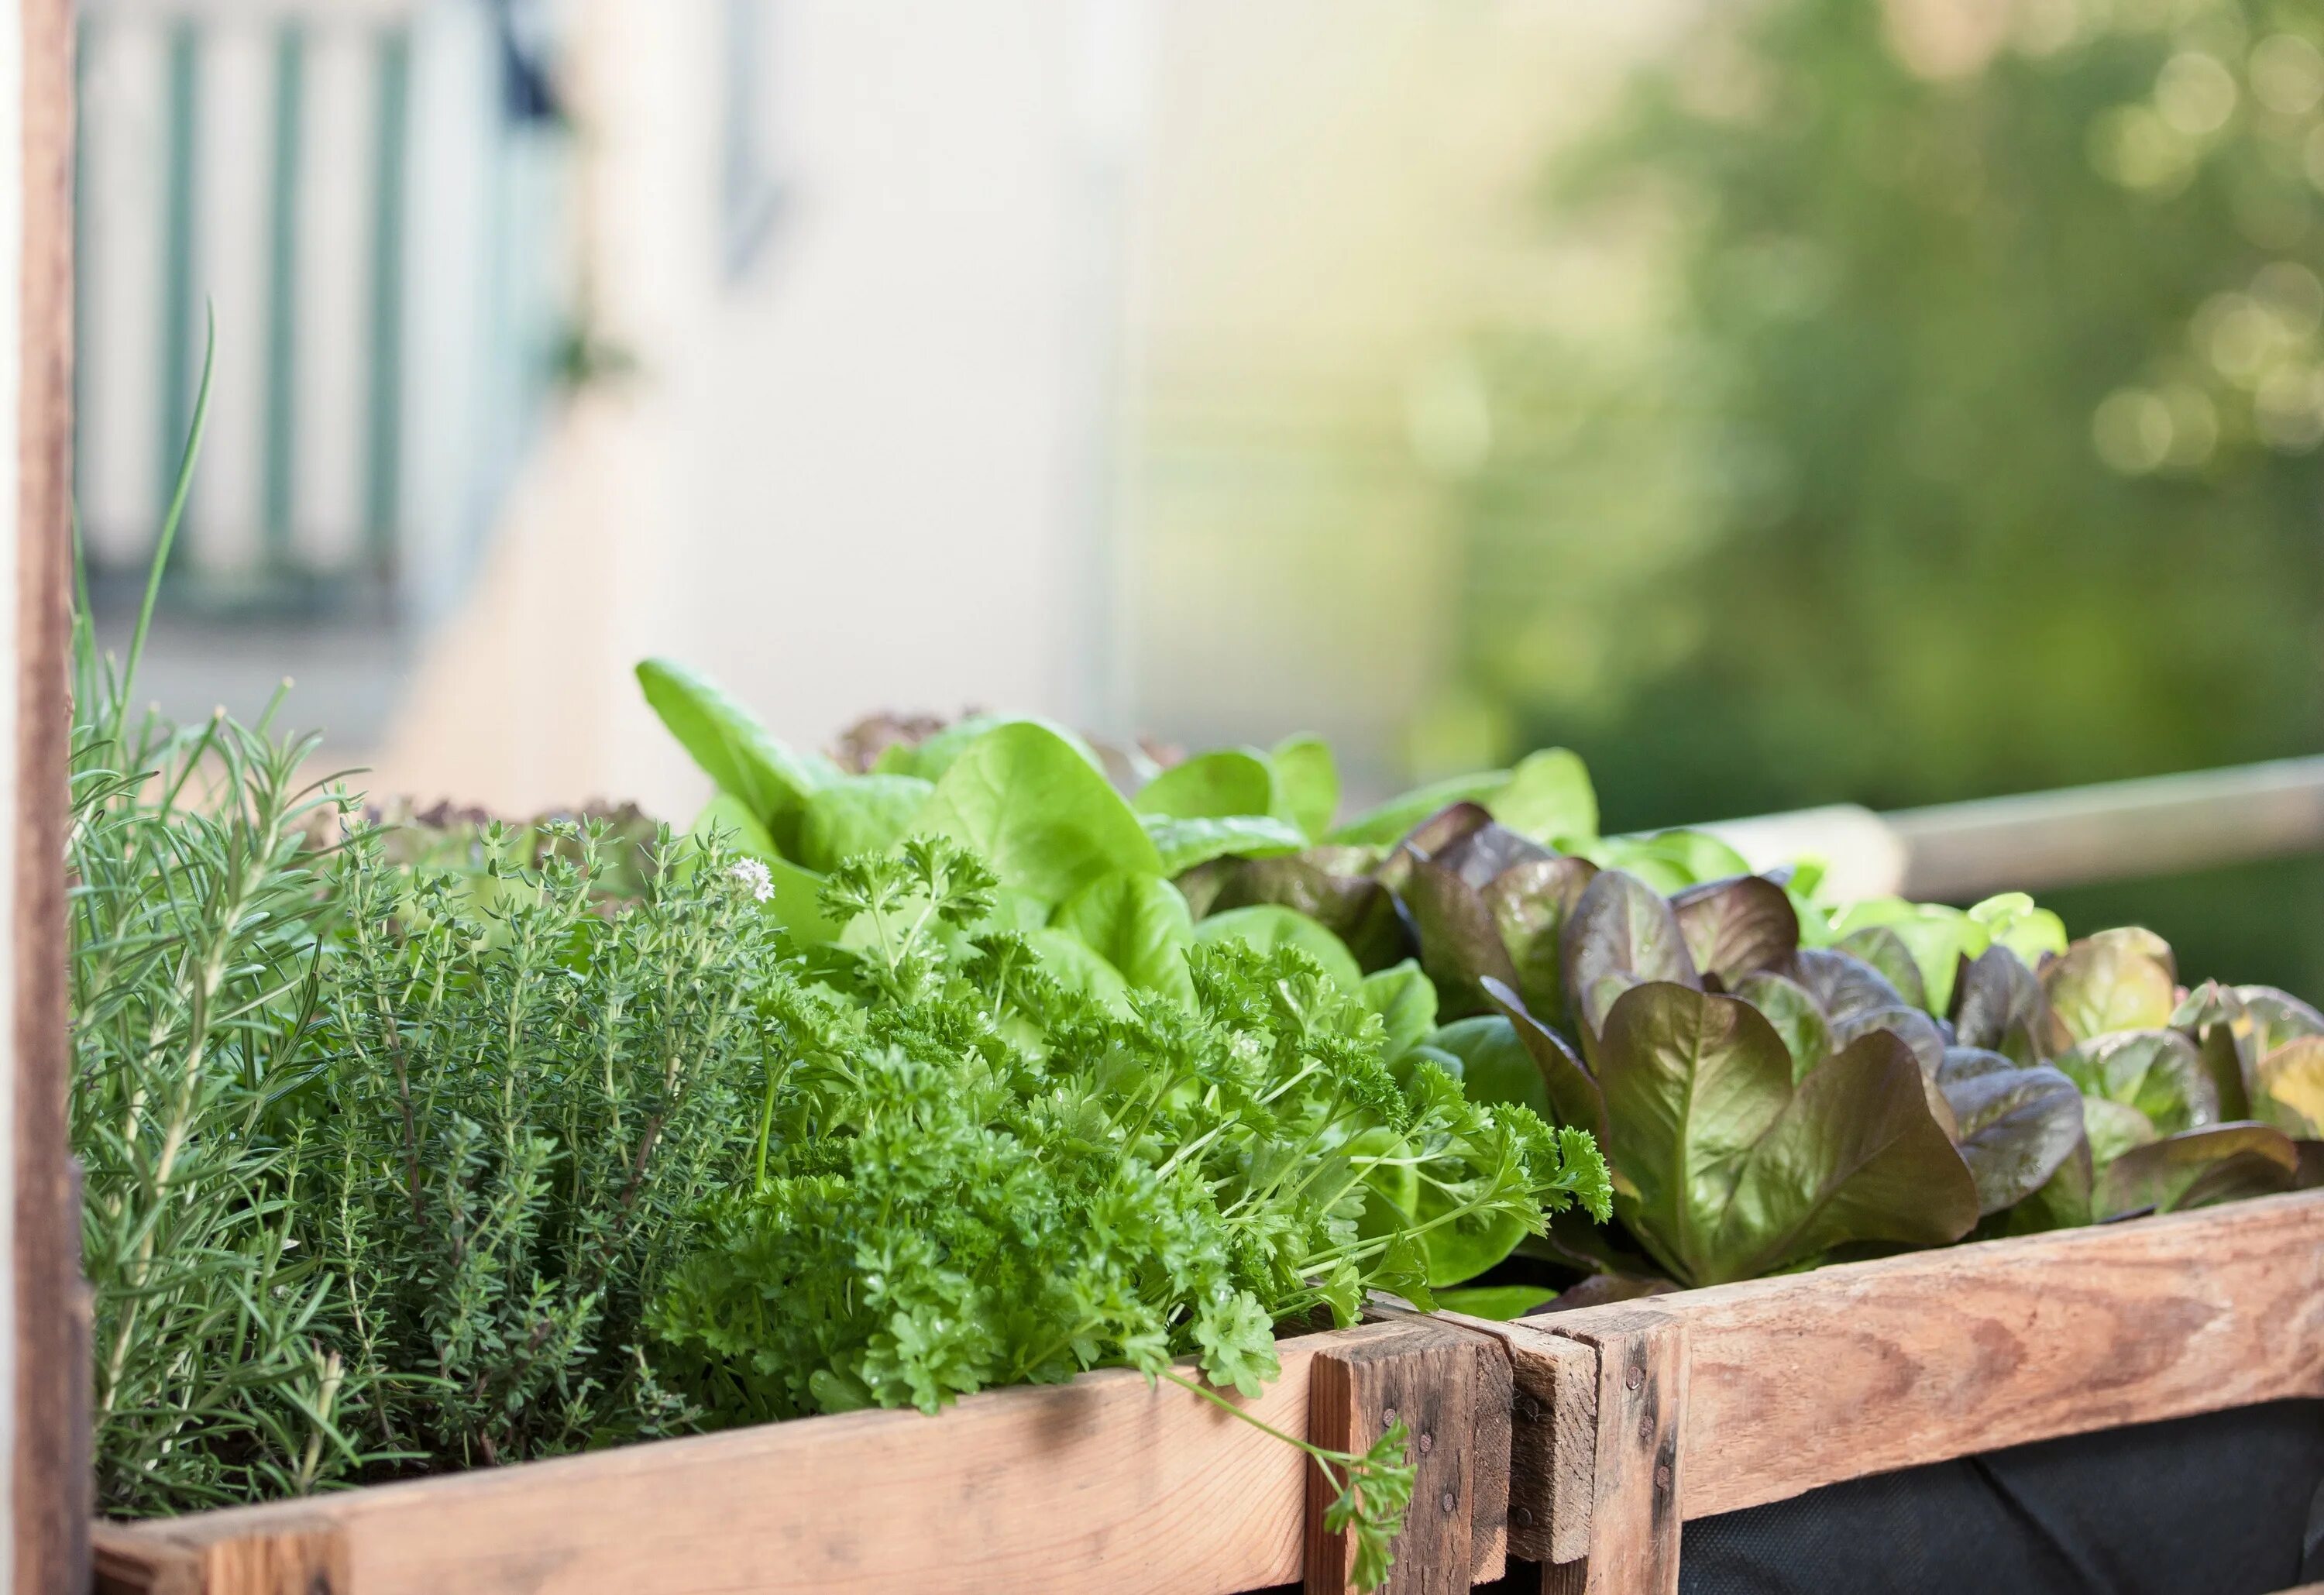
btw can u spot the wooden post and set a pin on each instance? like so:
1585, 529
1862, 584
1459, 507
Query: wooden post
48, 1464
1634, 1523
1492, 1421
1451, 1387
1552, 1440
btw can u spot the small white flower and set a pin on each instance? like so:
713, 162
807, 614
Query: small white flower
755, 875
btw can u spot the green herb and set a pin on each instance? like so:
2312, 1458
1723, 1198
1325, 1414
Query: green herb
195, 908
528, 1094
976, 1176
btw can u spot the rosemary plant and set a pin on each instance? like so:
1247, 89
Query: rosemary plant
388, 1133
197, 915
194, 974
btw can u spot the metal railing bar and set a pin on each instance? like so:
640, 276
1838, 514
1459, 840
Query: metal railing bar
179, 167
2037, 841
2160, 826
383, 505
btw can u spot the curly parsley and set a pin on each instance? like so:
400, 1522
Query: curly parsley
969, 1176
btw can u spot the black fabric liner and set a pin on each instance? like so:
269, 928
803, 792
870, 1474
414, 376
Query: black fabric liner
2227, 1503
2220, 1504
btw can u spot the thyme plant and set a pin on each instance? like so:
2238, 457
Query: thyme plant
384, 1143
531, 1092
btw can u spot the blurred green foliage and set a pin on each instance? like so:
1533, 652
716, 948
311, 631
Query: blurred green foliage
1962, 436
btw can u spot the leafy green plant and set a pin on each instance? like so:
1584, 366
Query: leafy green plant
972, 1174
1741, 1054
1233, 828
1789, 1015
1113, 890
1734, 1168
1530, 928
198, 909
527, 1097
2188, 1099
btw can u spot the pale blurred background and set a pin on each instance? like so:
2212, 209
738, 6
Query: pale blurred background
1783, 402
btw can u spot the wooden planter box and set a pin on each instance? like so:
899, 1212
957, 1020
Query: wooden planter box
1631, 1419
1581, 1440
1103, 1483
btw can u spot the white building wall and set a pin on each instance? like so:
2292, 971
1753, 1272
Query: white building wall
867, 472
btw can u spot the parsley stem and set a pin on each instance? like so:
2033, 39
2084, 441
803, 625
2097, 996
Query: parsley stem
1328, 1459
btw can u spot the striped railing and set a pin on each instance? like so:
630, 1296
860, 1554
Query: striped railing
371, 195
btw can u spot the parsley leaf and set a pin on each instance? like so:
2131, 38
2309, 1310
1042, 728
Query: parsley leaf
968, 1174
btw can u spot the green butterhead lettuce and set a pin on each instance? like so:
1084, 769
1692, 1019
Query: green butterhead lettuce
1212, 786
1140, 925
1307, 784
1028, 803
734, 749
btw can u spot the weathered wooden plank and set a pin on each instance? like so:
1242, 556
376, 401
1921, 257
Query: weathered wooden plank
1810, 1378
1761, 1390
1361, 1384
48, 1434
1552, 1437
293, 1555
1633, 1540
302, 1557
1491, 1421
1103, 1482
127, 1561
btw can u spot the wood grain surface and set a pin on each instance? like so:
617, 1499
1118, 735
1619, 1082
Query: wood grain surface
1634, 1501
1370, 1379
1810, 1378
1450, 1388
128, 1562
1625, 1418
51, 1480
1102, 1483
1492, 1420
1552, 1437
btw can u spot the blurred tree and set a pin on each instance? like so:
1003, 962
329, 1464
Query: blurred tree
1966, 441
